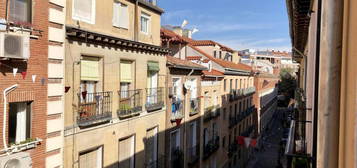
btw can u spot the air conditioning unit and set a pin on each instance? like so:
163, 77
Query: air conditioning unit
17, 160
16, 46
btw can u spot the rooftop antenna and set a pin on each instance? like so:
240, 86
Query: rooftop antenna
184, 23
194, 30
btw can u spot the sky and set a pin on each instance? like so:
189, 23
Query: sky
239, 24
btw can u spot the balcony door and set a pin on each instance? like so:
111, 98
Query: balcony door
151, 146
174, 142
193, 137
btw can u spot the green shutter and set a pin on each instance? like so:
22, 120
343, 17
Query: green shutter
90, 70
153, 66
125, 71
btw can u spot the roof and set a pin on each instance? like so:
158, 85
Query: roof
223, 63
193, 57
210, 43
213, 72
183, 64
167, 34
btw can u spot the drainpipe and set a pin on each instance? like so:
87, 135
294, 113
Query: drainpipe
6, 91
136, 21
330, 78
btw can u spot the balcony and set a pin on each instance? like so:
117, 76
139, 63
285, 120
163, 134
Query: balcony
211, 147
176, 159
232, 149
211, 113
94, 108
159, 163
231, 95
154, 99
176, 109
193, 155
232, 121
248, 131
248, 91
239, 93
194, 106
129, 103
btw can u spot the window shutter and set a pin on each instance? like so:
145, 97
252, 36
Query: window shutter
125, 72
116, 10
124, 22
153, 66
90, 70
83, 10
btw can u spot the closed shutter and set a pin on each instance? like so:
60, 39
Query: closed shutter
126, 153
126, 72
90, 70
151, 145
84, 10
116, 10
92, 159
124, 16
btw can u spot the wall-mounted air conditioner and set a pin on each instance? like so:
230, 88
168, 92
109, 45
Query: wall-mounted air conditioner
17, 160
16, 46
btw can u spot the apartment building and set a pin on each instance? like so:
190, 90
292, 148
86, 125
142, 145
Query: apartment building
115, 107
265, 98
31, 44
323, 35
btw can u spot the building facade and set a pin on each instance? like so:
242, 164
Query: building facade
115, 107
323, 34
31, 64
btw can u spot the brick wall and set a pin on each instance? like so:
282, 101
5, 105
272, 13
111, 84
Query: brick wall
27, 90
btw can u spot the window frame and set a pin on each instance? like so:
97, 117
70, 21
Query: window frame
29, 111
30, 12
82, 19
148, 23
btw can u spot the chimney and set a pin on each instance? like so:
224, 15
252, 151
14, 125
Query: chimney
178, 30
187, 33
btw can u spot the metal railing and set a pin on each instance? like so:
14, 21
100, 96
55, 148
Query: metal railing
231, 95
130, 103
176, 158
159, 163
211, 113
232, 149
249, 90
211, 147
194, 106
154, 99
94, 108
232, 121
176, 109
193, 154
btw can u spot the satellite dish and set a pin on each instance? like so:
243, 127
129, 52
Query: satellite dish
187, 85
184, 23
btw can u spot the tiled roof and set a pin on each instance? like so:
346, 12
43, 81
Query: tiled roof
213, 72
166, 33
193, 57
210, 43
223, 63
179, 63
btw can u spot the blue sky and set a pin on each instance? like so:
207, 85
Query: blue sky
239, 24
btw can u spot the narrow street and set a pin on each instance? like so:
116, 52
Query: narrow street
268, 154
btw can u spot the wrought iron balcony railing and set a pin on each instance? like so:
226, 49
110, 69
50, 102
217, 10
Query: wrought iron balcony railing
211, 147
232, 121
249, 90
154, 99
176, 109
211, 113
158, 163
232, 149
193, 154
194, 106
231, 95
130, 103
94, 108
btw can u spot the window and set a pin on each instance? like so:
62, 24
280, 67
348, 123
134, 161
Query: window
174, 142
240, 84
151, 146
127, 152
120, 15
225, 85
236, 83
220, 54
236, 110
224, 141
193, 88
126, 78
92, 158
84, 10
215, 54
153, 94
224, 113
20, 11
19, 122
193, 137
145, 23
205, 136
206, 100
215, 100
214, 130
89, 77
231, 84
177, 87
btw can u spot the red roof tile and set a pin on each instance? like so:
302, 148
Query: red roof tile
183, 63
193, 57
213, 72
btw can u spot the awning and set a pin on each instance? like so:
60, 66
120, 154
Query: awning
153, 66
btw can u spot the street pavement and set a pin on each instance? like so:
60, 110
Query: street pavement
267, 155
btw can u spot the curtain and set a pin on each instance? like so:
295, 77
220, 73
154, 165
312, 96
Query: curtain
21, 122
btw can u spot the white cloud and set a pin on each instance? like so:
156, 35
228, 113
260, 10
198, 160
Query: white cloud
276, 44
